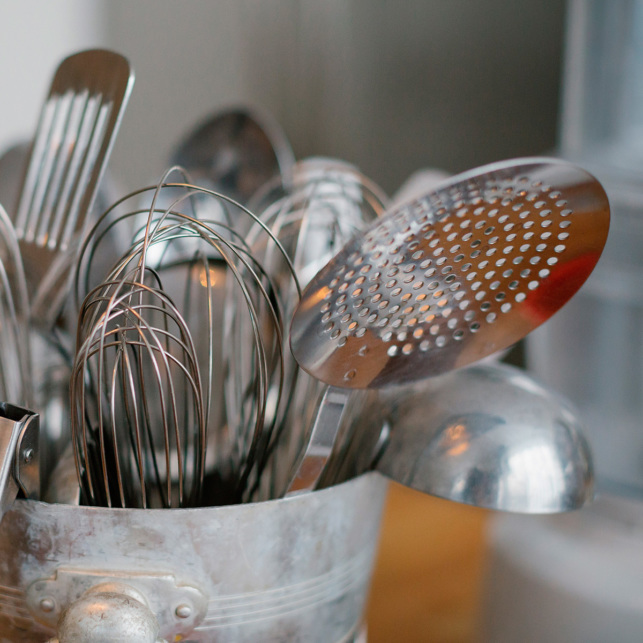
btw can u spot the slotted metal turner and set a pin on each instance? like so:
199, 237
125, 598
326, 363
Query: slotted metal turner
73, 141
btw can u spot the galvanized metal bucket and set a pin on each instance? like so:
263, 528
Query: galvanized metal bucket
296, 569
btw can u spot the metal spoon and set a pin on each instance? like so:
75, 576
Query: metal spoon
489, 436
454, 276
235, 152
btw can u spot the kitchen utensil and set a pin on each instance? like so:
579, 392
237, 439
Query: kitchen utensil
487, 435
321, 204
450, 278
73, 141
136, 365
241, 370
235, 151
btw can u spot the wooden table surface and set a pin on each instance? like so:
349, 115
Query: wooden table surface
427, 581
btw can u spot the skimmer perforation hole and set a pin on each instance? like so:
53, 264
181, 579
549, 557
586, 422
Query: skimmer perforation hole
461, 251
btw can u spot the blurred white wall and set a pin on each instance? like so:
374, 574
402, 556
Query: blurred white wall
390, 86
34, 37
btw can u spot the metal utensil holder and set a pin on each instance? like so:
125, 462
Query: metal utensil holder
295, 569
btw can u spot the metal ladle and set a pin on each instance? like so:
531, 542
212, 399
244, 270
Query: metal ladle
490, 436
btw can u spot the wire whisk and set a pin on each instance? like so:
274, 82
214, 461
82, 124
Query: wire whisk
217, 319
318, 207
136, 365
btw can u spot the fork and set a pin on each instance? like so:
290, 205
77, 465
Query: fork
73, 141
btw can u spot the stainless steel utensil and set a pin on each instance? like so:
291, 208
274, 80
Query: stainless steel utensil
319, 206
136, 365
242, 377
232, 152
235, 151
73, 141
454, 276
487, 435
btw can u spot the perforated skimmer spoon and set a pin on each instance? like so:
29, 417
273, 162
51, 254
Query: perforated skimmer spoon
447, 279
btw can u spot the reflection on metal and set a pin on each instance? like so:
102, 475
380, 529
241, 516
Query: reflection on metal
290, 570
490, 436
454, 276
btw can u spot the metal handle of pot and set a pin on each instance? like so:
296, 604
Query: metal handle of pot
100, 606
109, 612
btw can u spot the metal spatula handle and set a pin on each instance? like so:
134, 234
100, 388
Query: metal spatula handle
322, 440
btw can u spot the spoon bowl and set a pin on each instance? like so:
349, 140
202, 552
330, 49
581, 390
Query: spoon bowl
490, 436
235, 152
